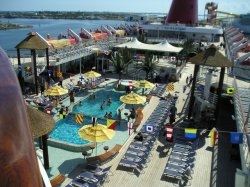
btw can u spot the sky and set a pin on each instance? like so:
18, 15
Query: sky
149, 6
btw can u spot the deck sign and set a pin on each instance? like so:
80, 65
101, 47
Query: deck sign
149, 128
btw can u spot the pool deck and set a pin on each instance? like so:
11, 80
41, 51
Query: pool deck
71, 164
153, 173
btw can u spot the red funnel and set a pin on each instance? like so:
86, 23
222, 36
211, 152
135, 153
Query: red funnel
183, 11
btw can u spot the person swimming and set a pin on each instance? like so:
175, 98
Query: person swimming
109, 101
110, 115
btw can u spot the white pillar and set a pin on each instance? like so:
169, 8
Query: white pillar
207, 84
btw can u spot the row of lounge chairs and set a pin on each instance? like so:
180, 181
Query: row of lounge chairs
159, 90
92, 176
182, 157
138, 154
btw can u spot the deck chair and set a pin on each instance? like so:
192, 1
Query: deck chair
128, 163
179, 175
182, 150
135, 151
180, 155
79, 182
87, 176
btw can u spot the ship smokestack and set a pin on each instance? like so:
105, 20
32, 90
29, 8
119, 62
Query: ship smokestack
183, 11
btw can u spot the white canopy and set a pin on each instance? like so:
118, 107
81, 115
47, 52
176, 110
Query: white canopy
160, 47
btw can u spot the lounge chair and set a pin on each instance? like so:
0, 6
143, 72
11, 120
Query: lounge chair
181, 155
96, 169
180, 168
140, 146
182, 150
87, 176
133, 157
128, 163
77, 182
135, 151
180, 161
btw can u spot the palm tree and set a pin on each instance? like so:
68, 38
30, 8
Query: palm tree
148, 65
142, 38
189, 49
126, 57
118, 63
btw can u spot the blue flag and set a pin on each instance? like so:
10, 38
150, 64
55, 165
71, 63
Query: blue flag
190, 133
236, 137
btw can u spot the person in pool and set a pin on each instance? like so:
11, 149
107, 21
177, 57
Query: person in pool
110, 115
109, 101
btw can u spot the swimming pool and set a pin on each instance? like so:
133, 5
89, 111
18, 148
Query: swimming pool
66, 129
92, 107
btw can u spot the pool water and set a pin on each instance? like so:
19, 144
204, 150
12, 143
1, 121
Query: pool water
66, 129
92, 107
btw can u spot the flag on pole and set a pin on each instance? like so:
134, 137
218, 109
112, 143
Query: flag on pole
111, 124
236, 137
190, 133
79, 118
94, 119
213, 136
130, 85
130, 126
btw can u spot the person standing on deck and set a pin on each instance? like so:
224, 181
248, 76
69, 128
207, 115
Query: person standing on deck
119, 117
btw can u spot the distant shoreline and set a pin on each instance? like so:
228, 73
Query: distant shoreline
7, 26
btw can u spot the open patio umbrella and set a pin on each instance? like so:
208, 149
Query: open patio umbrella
143, 84
96, 133
56, 91
133, 99
91, 74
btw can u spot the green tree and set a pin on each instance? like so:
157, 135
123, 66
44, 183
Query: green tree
189, 49
142, 38
117, 61
148, 65
126, 57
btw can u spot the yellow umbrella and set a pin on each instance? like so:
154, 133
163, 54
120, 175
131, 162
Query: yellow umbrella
56, 91
133, 99
96, 133
92, 74
143, 84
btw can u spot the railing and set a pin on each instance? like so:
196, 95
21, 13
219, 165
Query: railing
242, 127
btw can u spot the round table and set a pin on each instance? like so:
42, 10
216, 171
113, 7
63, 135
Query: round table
85, 153
92, 146
106, 148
